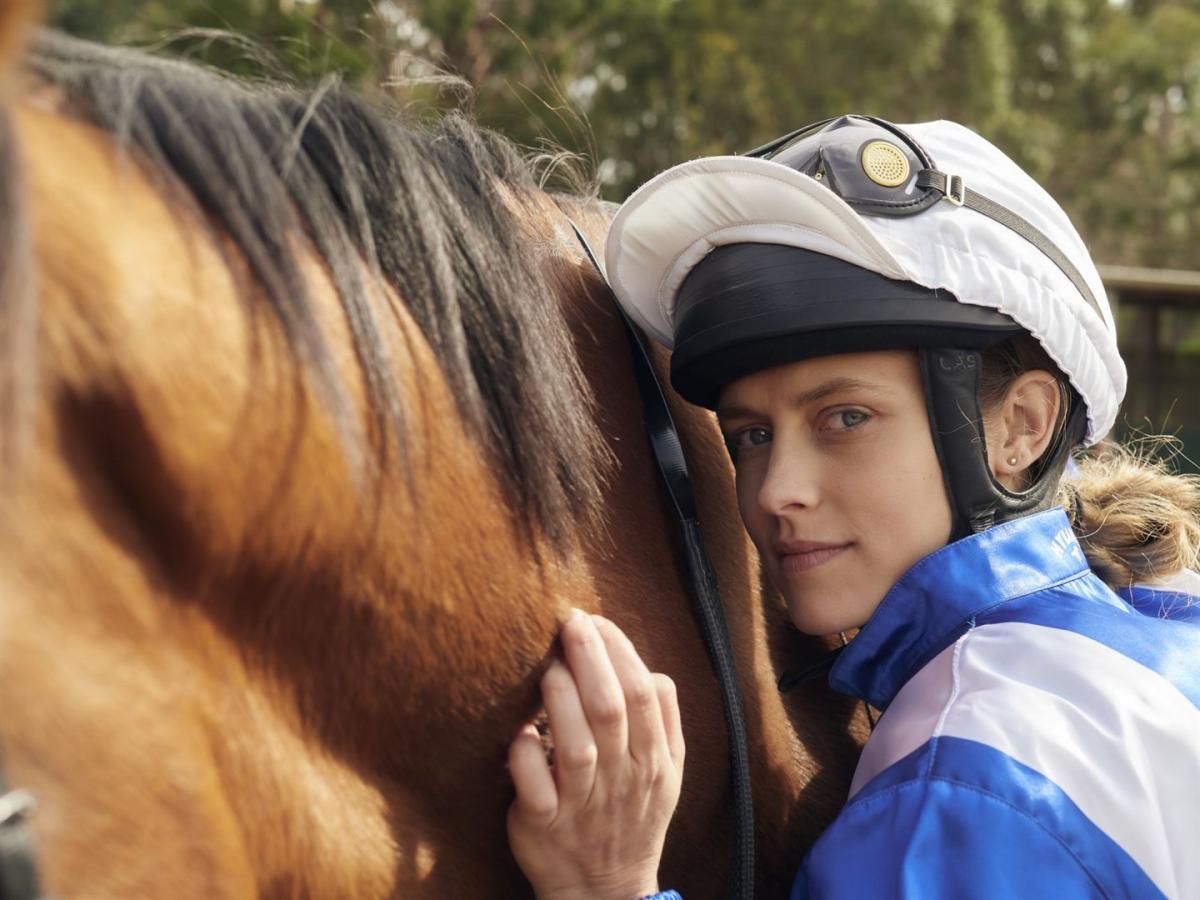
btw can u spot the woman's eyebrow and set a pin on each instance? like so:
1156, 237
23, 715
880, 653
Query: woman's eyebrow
835, 386
735, 412
838, 385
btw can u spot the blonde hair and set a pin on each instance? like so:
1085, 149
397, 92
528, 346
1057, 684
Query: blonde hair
1136, 519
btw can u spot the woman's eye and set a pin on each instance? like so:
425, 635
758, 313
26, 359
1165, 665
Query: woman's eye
844, 419
747, 439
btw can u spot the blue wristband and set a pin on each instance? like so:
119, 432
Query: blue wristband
664, 895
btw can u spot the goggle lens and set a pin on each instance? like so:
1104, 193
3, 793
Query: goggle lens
871, 165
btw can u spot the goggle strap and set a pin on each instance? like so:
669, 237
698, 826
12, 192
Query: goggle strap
951, 187
767, 149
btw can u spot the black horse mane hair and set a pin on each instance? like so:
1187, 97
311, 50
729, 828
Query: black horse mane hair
277, 167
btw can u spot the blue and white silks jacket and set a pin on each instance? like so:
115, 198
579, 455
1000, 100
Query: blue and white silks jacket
1041, 737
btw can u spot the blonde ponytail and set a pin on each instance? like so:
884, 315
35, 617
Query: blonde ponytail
1136, 520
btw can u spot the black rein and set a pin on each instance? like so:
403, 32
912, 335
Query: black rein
668, 454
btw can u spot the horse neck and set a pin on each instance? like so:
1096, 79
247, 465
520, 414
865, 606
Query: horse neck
323, 644
257, 604
203, 504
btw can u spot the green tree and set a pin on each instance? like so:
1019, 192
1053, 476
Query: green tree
1098, 99
291, 39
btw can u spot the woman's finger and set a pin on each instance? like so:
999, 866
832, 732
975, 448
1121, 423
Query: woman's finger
599, 690
668, 702
537, 797
574, 745
647, 736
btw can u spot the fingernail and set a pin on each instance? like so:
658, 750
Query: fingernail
576, 615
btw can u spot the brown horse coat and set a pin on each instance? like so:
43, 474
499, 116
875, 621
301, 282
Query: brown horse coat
259, 637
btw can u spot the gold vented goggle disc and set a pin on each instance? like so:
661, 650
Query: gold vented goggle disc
885, 164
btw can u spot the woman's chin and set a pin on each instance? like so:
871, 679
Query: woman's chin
830, 615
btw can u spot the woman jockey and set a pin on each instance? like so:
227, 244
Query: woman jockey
904, 339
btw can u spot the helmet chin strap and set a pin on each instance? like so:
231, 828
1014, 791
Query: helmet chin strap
977, 500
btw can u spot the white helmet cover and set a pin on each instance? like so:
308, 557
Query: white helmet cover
673, 221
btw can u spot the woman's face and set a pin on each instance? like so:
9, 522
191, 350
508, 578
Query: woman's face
838, 482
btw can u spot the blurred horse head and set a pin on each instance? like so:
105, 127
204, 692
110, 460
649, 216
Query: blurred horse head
316, 422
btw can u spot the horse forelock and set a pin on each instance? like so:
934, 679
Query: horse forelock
444, 214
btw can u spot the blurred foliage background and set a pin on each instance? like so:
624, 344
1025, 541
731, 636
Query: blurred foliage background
1098, 99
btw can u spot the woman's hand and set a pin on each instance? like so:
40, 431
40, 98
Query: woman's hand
593, 824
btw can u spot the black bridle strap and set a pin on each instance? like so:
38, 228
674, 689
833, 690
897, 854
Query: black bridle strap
668, 454
18, 871
809, 671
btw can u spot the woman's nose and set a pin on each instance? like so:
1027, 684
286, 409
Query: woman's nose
791, 481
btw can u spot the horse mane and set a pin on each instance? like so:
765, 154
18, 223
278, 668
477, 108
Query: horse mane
434, 210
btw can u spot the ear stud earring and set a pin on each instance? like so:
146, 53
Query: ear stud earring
1012, 460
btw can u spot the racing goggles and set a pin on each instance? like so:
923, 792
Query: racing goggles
880, 170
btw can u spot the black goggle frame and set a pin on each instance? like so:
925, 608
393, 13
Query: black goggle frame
831, 151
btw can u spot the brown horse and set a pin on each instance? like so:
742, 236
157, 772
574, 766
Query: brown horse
315, 425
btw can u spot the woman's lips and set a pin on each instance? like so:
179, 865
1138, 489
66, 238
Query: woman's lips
803, 556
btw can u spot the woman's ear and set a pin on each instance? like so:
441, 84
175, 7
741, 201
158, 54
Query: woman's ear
1020, 428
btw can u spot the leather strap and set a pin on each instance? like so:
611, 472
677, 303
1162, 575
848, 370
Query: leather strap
668, 454
809, 671
954, 190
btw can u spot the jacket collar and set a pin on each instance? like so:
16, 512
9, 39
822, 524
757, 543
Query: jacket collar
938, 599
